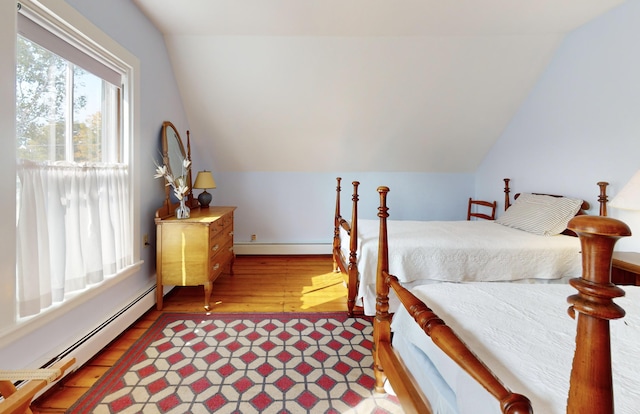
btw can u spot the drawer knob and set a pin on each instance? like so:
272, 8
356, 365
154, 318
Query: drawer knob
216, 247
216, 266
230, 233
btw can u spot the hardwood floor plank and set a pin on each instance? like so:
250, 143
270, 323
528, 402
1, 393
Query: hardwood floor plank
86, 377
259, 284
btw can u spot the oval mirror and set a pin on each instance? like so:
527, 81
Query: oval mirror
173, 148
173, 156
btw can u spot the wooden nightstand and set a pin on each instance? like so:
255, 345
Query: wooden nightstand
625, 268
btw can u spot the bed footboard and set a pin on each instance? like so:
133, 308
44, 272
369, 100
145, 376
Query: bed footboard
386, 362
591, 386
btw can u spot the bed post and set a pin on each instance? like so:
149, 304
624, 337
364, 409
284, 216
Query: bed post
352, 269
602, 198
382, 320
591, 384
336, 227
507, 198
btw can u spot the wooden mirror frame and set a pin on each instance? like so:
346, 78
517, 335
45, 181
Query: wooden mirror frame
172, 147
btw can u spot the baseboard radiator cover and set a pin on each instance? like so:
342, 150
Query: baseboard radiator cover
253, 248
93, 342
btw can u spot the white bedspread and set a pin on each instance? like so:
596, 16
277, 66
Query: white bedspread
461, 251
484, 315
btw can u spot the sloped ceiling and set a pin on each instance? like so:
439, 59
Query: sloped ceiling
358, 85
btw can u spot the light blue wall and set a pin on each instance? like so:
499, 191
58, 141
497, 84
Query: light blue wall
581, 122
299, 207
160, 101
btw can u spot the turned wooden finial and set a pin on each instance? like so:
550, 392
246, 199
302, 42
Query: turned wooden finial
602, 198
507, 197
591, 384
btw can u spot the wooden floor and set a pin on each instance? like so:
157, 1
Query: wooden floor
259, 284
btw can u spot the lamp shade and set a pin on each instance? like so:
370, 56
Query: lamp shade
629, 197
204, 180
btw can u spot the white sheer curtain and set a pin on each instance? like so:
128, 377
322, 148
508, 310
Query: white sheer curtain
73, 229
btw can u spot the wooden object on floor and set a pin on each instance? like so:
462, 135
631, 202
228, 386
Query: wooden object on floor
259, 284
194, 251
18, 399
625, 268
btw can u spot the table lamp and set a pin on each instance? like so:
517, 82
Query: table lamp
204, 180
629, 197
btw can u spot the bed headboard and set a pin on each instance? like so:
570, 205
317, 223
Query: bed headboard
602, 198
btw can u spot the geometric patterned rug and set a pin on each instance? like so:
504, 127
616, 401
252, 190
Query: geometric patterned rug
244, 363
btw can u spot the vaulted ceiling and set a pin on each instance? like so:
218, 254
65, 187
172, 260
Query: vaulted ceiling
358, 85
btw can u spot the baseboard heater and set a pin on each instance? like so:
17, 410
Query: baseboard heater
93, 342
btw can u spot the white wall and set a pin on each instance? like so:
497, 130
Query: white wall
581, 122
159, 101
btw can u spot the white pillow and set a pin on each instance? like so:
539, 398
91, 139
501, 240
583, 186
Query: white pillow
540, 214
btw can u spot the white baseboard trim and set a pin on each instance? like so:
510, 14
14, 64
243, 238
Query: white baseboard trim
284, 249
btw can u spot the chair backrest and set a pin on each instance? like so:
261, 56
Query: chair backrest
471, 211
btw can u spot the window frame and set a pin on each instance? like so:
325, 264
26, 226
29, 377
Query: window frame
66, 20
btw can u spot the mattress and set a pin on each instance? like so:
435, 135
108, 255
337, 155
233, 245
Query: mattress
538, 363
461, 251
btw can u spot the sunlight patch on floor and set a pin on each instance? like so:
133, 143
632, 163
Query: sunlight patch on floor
324, 288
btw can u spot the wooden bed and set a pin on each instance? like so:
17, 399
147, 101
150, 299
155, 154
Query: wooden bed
590, 383
354, 250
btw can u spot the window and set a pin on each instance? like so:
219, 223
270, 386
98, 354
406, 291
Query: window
73, 131
65, 111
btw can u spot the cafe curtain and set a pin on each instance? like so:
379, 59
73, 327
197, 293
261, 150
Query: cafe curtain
73, 229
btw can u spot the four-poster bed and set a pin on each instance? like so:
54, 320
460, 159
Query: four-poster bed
456, 250
452, 366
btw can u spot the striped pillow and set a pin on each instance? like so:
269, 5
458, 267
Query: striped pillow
540, 214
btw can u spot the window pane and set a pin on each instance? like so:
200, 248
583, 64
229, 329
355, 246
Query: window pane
87, 116
41, 92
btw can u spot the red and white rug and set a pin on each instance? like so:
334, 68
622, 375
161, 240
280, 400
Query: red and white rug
244, 363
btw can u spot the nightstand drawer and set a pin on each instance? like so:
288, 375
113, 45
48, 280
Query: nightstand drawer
221, 235
219, 225
220, 260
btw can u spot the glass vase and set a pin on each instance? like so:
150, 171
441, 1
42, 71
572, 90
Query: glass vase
183, 211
